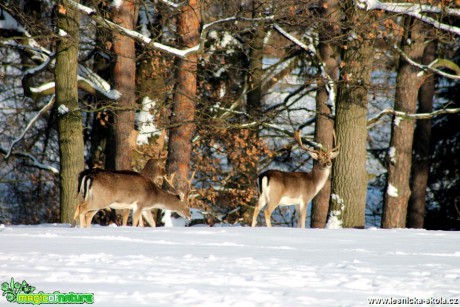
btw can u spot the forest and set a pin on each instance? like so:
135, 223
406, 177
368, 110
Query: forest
216, 90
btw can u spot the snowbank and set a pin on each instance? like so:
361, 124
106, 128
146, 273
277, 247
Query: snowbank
232, 266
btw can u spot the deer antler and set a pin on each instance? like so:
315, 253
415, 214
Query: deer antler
298, 138
334, 142
170, 180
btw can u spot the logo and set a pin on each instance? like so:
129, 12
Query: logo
22, 293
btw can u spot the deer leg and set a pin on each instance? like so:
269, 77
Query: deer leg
137, 217
147, 214
272, 203
81, 211
302, 214
268, 213
260, 205
76, 215
89, 217
125, 216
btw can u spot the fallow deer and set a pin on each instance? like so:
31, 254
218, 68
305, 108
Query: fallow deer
278, 188
154, 170
101, 189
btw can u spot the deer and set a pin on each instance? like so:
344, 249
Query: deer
154, 170
278, 188
101, 189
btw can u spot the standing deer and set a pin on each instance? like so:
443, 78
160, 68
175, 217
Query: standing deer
101, 189
154, 170
277, 188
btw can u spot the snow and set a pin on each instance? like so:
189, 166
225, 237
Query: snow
63, 109
145, 120
117, 4
392, 190
231, 266
392, 154
334, 221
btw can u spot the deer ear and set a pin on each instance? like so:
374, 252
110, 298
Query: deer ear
314, 155
334, 154
182, 196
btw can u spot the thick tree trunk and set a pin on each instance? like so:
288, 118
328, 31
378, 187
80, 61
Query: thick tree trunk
183, 113
69, 117
349, 175
400, 154
328, 52
124, 78
422, 140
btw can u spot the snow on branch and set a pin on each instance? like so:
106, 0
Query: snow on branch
35, 162
34, 119
85, 84
87, 79
432, 66
9, 23
174, 5
415, 10
373, 121
148, 42
311, 50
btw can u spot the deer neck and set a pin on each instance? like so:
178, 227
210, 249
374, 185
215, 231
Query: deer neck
320, 176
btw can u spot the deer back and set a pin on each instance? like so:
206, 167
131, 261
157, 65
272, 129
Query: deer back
288, 184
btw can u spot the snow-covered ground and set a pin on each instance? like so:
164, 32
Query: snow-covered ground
232, 266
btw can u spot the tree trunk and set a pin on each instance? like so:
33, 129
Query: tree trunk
422, 139
183, 114
254, 101
323, 126
69, 118
400, 153
124, 78
349, 175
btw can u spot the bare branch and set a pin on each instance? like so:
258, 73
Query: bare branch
415, 10
373, 121
35, 162
432, 66
148, 42
34, 119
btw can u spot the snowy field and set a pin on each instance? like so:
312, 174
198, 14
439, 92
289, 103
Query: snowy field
233, 266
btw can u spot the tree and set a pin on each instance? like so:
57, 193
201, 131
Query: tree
69, 116
400, 154
422, 145
124, 77
349, 175
325, 100
183, 112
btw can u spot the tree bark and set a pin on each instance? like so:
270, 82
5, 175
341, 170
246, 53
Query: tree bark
422, 140
124, 78
349, 175
328, 52
69, 117
400, 154
254, 100
183, 115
